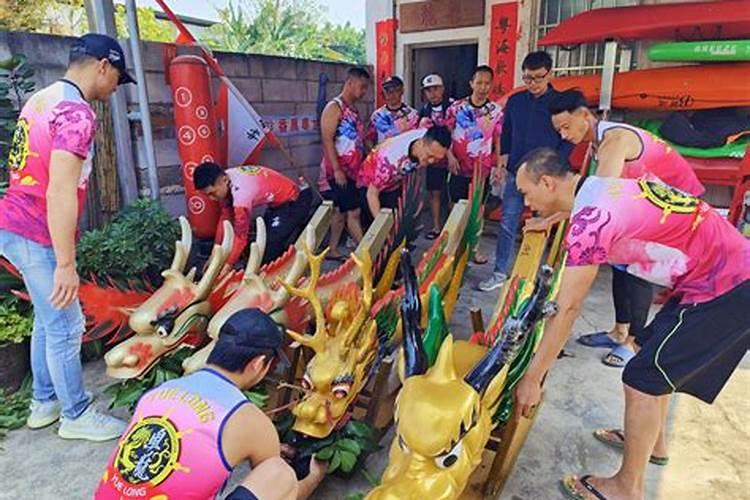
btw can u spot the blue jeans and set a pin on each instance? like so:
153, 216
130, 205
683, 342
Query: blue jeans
505, 248
56, 338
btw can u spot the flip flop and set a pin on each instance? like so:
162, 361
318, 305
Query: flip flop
621, 355
618, 443
598, 339
570, 490
432, 235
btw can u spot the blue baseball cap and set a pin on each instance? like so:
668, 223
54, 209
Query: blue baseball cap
251, 332
102, 47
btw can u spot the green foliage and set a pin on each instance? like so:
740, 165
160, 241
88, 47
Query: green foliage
137, 244
16, 83
257, 395
347, 446
14, 408
291, 28
15, 326
149, 28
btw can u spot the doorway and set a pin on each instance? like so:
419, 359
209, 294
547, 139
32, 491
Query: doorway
455, 63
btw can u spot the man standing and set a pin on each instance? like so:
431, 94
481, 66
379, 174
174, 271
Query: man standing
666, 236
434, 112
475, 122
388, 164
394, 117
242, 189
526, 126
50, 161
622, 150
342, 135
189, 433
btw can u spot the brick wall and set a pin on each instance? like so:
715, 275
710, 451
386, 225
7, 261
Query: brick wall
275, 86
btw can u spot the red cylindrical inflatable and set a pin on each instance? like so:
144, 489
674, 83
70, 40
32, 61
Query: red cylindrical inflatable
196, 131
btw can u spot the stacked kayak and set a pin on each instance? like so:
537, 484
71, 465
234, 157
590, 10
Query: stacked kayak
706, 51
734, 149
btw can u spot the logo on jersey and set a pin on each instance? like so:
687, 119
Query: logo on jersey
19, 146
668, 199
250, 170
149, 453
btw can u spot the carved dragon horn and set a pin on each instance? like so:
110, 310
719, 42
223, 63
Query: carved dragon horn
215, 262
365, 268
298, 266
316, 341
415, 359
257, 248
515, 331
182, 246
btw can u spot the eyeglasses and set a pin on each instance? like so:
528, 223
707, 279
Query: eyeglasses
534, 79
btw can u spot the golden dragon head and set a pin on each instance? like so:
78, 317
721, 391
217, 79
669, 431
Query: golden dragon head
444, 412
345, 345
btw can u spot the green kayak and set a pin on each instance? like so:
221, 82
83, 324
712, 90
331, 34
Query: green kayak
735, 149
709, 51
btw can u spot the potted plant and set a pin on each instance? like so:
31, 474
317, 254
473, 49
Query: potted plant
15, 333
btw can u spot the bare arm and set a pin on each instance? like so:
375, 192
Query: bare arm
329, 120
62, 220
373, 200
575, 285
617, 147
250, 435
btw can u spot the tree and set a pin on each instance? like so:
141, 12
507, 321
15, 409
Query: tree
285, 27
150, 28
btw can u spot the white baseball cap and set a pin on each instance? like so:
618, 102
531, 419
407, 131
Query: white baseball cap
432, 80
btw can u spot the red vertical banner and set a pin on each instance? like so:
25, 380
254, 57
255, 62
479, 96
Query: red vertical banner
503, 37
385, 40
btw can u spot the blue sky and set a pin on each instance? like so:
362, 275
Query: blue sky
339, 11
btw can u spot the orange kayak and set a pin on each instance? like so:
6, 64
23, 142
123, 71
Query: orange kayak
668, 89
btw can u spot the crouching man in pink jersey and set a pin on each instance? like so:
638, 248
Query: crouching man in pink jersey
665, 236
189, 433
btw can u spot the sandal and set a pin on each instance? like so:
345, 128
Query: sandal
615, 438
432, 234
569, 487
618, 357
598, 339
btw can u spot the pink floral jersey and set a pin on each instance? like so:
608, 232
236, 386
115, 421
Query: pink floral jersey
386, 123
349, 142
172, 448
55, 118
387, 164
657, 233
252, 186
474, 129
657, 159
434, 114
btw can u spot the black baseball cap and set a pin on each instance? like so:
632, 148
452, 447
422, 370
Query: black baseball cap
393, 82
102, 47
254, 332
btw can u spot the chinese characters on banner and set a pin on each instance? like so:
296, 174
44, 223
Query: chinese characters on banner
385, 37
503, 37
291, 125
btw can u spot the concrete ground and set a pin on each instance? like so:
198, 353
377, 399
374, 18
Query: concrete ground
710, 445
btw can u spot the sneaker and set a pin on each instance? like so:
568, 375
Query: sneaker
492, 283
46, 413
92, 425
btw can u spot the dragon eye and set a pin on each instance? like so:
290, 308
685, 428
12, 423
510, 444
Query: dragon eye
306, 382
341, 391
447, 460
162, 331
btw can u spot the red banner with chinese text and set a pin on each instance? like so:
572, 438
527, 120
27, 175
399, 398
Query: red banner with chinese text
385, 65
503, 37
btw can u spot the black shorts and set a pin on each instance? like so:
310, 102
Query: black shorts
437, 177
345, 198
284, 223
389, 199
241, 493
692, 348
458, 188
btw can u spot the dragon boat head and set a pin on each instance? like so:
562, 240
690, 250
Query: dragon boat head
178, 309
